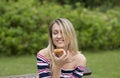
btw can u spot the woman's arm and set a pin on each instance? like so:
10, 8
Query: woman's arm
80, 65
58, 64
56, 72
43, 66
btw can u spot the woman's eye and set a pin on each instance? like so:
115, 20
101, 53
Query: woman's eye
55, 32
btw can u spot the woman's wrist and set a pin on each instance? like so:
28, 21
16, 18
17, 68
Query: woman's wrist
56, 72
57, 67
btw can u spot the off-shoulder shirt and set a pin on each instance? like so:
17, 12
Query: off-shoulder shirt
43, 65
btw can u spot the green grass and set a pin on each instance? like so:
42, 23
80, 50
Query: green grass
104, 64
17, 65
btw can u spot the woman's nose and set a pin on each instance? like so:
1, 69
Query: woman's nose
59, 35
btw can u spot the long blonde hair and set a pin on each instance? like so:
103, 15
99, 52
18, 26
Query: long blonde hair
68, 33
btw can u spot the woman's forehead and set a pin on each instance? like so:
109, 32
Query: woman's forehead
56, 27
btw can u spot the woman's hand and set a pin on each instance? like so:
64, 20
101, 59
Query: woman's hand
60, 61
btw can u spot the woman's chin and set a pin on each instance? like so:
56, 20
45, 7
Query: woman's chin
60, 46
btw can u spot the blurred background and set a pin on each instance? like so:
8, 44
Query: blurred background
24, 31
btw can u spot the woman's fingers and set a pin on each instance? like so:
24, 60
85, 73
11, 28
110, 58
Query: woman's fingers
63, 59
64, 55
67, 56
54, 56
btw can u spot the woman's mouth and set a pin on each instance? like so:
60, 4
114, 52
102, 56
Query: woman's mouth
60, 41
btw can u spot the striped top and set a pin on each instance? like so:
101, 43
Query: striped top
43, 65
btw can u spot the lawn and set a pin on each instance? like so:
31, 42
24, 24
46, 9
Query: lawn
17, 65
104, 64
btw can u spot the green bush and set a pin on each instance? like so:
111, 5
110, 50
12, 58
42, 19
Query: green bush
92, 4
24, 26
21, 30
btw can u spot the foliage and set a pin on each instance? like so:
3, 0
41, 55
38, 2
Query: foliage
21, 32
23, 26
88, 3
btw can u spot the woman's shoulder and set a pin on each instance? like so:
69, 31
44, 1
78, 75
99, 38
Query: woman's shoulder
80, 59
44, 52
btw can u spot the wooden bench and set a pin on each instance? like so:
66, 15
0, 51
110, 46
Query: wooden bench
87, 73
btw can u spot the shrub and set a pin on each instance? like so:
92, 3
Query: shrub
23, 28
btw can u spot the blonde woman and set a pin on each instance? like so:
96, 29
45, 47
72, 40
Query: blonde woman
72, 63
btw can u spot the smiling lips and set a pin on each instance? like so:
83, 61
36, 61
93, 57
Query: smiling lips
59, 41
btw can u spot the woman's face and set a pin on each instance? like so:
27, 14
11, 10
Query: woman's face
57, 36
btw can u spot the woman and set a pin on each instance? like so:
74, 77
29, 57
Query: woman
72, 63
